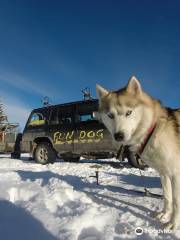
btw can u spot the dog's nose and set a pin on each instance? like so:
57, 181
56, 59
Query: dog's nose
119, 136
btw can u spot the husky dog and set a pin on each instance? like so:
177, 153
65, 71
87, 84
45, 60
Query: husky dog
136, 119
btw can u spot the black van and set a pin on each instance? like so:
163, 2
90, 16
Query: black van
66, 130
69, 131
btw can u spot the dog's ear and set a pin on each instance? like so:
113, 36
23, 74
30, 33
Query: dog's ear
134, 86
101, 92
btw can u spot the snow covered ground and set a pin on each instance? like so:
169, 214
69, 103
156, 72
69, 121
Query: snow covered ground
62, 201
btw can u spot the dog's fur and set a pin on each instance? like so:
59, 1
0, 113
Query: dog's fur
131, 112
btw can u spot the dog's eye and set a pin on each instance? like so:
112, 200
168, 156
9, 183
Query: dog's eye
128, 113
110, 115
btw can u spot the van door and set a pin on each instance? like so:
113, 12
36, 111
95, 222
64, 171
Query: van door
35, 127
91, 135
61, 128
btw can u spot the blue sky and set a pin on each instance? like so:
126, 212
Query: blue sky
56, 48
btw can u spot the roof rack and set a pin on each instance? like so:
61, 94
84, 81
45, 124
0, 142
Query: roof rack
46, 101
87, 94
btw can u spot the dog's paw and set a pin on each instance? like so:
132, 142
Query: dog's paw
162, 216
168, 226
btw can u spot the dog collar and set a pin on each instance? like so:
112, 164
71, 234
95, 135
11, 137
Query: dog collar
146, 140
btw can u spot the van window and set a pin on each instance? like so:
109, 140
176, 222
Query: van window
65, 116
60, 116
85, 117
65, 120
85, 112
36, 119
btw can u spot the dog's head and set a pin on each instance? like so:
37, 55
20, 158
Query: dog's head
122, 111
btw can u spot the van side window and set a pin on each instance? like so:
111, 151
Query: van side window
64, 118
85, 117
85, 112
37, 119
59, 116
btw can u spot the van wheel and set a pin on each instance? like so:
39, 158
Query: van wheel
15, 155
44, 154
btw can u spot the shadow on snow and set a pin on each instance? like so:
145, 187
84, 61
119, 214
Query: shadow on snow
16, 223
114, 201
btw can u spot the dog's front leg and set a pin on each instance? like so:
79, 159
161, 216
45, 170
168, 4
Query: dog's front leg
165, 214
175, 220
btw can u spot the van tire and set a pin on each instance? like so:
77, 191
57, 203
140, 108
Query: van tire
44, 153
15, 155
